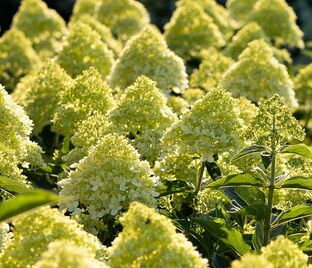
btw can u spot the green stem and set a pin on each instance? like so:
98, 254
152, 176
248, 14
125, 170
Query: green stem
267, 220
200, 174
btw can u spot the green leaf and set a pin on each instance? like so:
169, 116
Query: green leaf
228, 235
242, 179
248, 151
266, 159
295, 213
25, 202
257, 211
250, 195
299, 149
298, 182
257, 237
13, 186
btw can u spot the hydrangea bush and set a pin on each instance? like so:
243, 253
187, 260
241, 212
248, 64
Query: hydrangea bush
127, 145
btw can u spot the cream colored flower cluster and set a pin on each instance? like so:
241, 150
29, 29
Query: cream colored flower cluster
87, 93
35, 230
108, 179
150, 240
43, 26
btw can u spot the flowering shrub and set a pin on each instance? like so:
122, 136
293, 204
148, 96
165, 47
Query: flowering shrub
183, 146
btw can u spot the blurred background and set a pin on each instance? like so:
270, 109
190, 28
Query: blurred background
160, 11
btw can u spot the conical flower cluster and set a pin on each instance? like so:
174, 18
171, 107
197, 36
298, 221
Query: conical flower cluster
43, 26
150, 240
86, 94
258, 74
147, 54
39, 93
83, 49
109, 178
190, 30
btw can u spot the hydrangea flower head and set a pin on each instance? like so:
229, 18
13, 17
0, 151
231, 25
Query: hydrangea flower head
82, 49
14, 135
211, 127
252, 261
275, 112
147, 54
211, 70
219, 14
303, 85
84, 7
190, 30
45, 226
283, 253
142, 107
5, 235
17, 58
239, 10
88, 133
177, 104
102, 30
39, 93
257, 74
109, 178
66, 254
149, 240
43, 26
125, 18
278, 20
87, 93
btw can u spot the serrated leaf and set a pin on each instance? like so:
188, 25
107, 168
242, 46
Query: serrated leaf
13, 186
228, 235
299, 149
295, 213
242, 179
25, 202
248, 151
298, 182
257, 211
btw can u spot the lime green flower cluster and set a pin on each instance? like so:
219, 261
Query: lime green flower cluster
88, 133
257, 74
191, 95
219, 14
125, 18
142, 113
5, 235
43, 26
211, 127
34, 231
190, 30
17, 58
280, 253
16, 148
159, 64
177, 104
274, 112
208, 200
108, 179
285, 199
84, 7
303, 86
210, 70
177, 166
239, 10
39, 93
250, 32
66, 254
278, 20
87, 93
102, 30
252, 261
83, 49
246, 109
149, 238
283, 253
